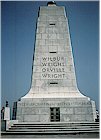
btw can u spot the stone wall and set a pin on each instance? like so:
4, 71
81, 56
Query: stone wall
71, 109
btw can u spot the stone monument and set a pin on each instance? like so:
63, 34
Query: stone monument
54, 95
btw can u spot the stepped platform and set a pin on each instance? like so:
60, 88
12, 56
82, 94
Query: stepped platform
53, 130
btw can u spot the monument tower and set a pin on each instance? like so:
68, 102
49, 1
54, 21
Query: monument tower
54, 95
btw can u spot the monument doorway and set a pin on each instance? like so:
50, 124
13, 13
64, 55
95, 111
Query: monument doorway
54, 114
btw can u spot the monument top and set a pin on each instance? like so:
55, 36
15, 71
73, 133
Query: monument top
51, 3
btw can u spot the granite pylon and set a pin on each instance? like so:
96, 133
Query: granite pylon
54, 95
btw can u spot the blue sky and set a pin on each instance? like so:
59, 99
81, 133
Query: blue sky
18, 22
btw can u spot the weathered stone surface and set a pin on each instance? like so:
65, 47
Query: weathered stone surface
70, 109
53, 75
31, 118
53, 56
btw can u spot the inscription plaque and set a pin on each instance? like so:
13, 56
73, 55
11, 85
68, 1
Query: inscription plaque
53, 67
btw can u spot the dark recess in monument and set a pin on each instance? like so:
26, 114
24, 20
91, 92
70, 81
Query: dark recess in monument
54, 83
52, 52
52, 24
54, 114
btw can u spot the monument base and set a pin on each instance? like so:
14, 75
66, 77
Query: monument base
56, 109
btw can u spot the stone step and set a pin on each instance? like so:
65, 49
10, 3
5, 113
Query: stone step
56, 124
26, 125
49, 132
53, 131
52, 127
